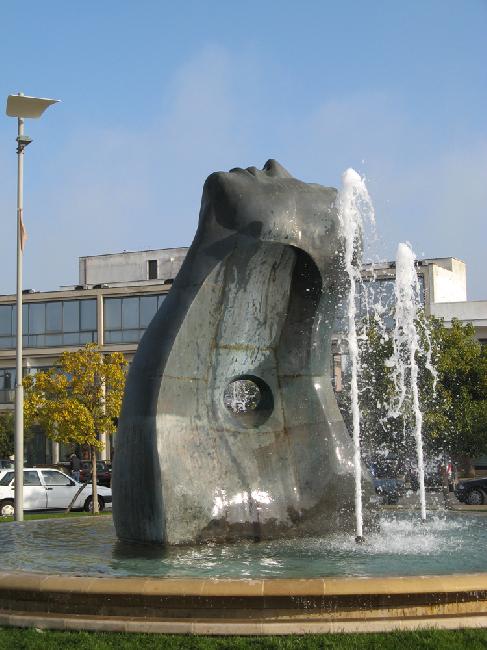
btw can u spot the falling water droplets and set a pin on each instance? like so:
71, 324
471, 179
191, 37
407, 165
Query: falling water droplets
355, 207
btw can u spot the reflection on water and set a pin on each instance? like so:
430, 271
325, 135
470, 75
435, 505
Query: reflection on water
450, 543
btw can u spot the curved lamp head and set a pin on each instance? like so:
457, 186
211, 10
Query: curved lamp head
23, 106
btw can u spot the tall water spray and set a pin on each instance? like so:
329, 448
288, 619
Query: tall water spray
354, 207
406, 344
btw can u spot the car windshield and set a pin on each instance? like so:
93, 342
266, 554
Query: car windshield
6, 478
31, 477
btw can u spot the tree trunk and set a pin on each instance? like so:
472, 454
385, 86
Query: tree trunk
467, 467
94, 493
68, 509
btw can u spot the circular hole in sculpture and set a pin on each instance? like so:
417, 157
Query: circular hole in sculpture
249, 400
242, 396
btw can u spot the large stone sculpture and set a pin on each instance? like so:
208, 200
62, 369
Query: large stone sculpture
230, 428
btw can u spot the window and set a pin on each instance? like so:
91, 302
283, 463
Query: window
37, 318
152, 269
6, 478
88, 315
7, 378
380, 292
125, 319
52, 477
54, 317
5, 320
148, 307
53, 323
130, 313
31, 478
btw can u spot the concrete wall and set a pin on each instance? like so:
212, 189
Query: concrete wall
448, 280
473, 311
130, 266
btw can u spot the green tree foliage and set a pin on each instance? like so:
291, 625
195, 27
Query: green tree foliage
462, 399
454, 402
78, 400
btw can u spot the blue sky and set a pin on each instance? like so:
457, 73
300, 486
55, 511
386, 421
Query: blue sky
157, 95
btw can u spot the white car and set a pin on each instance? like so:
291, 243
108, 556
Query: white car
49, 489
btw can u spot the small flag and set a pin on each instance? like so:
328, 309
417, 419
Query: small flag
23, 231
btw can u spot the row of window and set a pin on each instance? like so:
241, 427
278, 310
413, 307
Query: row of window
73, 322
126, 319
54, 323
374, 293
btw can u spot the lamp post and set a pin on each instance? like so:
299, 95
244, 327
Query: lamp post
21, 107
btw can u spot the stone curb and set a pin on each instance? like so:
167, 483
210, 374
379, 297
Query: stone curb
238, 627
225, 606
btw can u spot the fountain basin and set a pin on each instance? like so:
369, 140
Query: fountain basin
269, 606
74, 574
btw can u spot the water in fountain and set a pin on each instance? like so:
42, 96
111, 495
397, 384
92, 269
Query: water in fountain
354, 207
406, 344
449, 543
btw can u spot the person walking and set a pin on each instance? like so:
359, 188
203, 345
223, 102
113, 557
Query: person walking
75, 465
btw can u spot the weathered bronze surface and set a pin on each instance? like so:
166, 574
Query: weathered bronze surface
254, 301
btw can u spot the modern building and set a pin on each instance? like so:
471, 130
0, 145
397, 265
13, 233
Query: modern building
443, 292
100, 309
118, 294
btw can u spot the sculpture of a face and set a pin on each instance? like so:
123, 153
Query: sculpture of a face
271, 203
253, 305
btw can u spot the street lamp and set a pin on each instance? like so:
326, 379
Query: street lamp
21, 106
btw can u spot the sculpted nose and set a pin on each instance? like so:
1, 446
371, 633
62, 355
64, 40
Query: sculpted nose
273, 168
253, 170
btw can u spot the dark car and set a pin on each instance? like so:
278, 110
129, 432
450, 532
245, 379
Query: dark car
103, 472
473, 491
387, 486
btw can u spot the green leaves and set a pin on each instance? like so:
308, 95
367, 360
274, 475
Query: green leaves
454, 406
80, 398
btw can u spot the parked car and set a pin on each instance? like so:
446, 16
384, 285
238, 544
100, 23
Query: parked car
49, 489
473, 492
103, 472
387, 486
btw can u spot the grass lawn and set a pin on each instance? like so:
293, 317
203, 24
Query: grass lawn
16, 639
57, 515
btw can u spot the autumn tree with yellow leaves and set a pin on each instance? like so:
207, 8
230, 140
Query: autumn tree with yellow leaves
78, 400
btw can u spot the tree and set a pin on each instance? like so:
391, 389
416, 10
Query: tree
462, 395
78, 400
6, 434
380, 432
453, 402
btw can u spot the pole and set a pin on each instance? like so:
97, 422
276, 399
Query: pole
19, 389
105, 451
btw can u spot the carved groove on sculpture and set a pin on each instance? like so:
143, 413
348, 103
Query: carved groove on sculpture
229, 427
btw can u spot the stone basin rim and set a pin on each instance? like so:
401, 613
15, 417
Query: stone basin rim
243, 587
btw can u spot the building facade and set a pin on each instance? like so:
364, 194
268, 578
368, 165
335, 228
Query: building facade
112, 313
118, 295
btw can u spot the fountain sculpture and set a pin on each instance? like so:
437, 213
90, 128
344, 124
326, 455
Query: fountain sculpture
230, 428
230, 431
